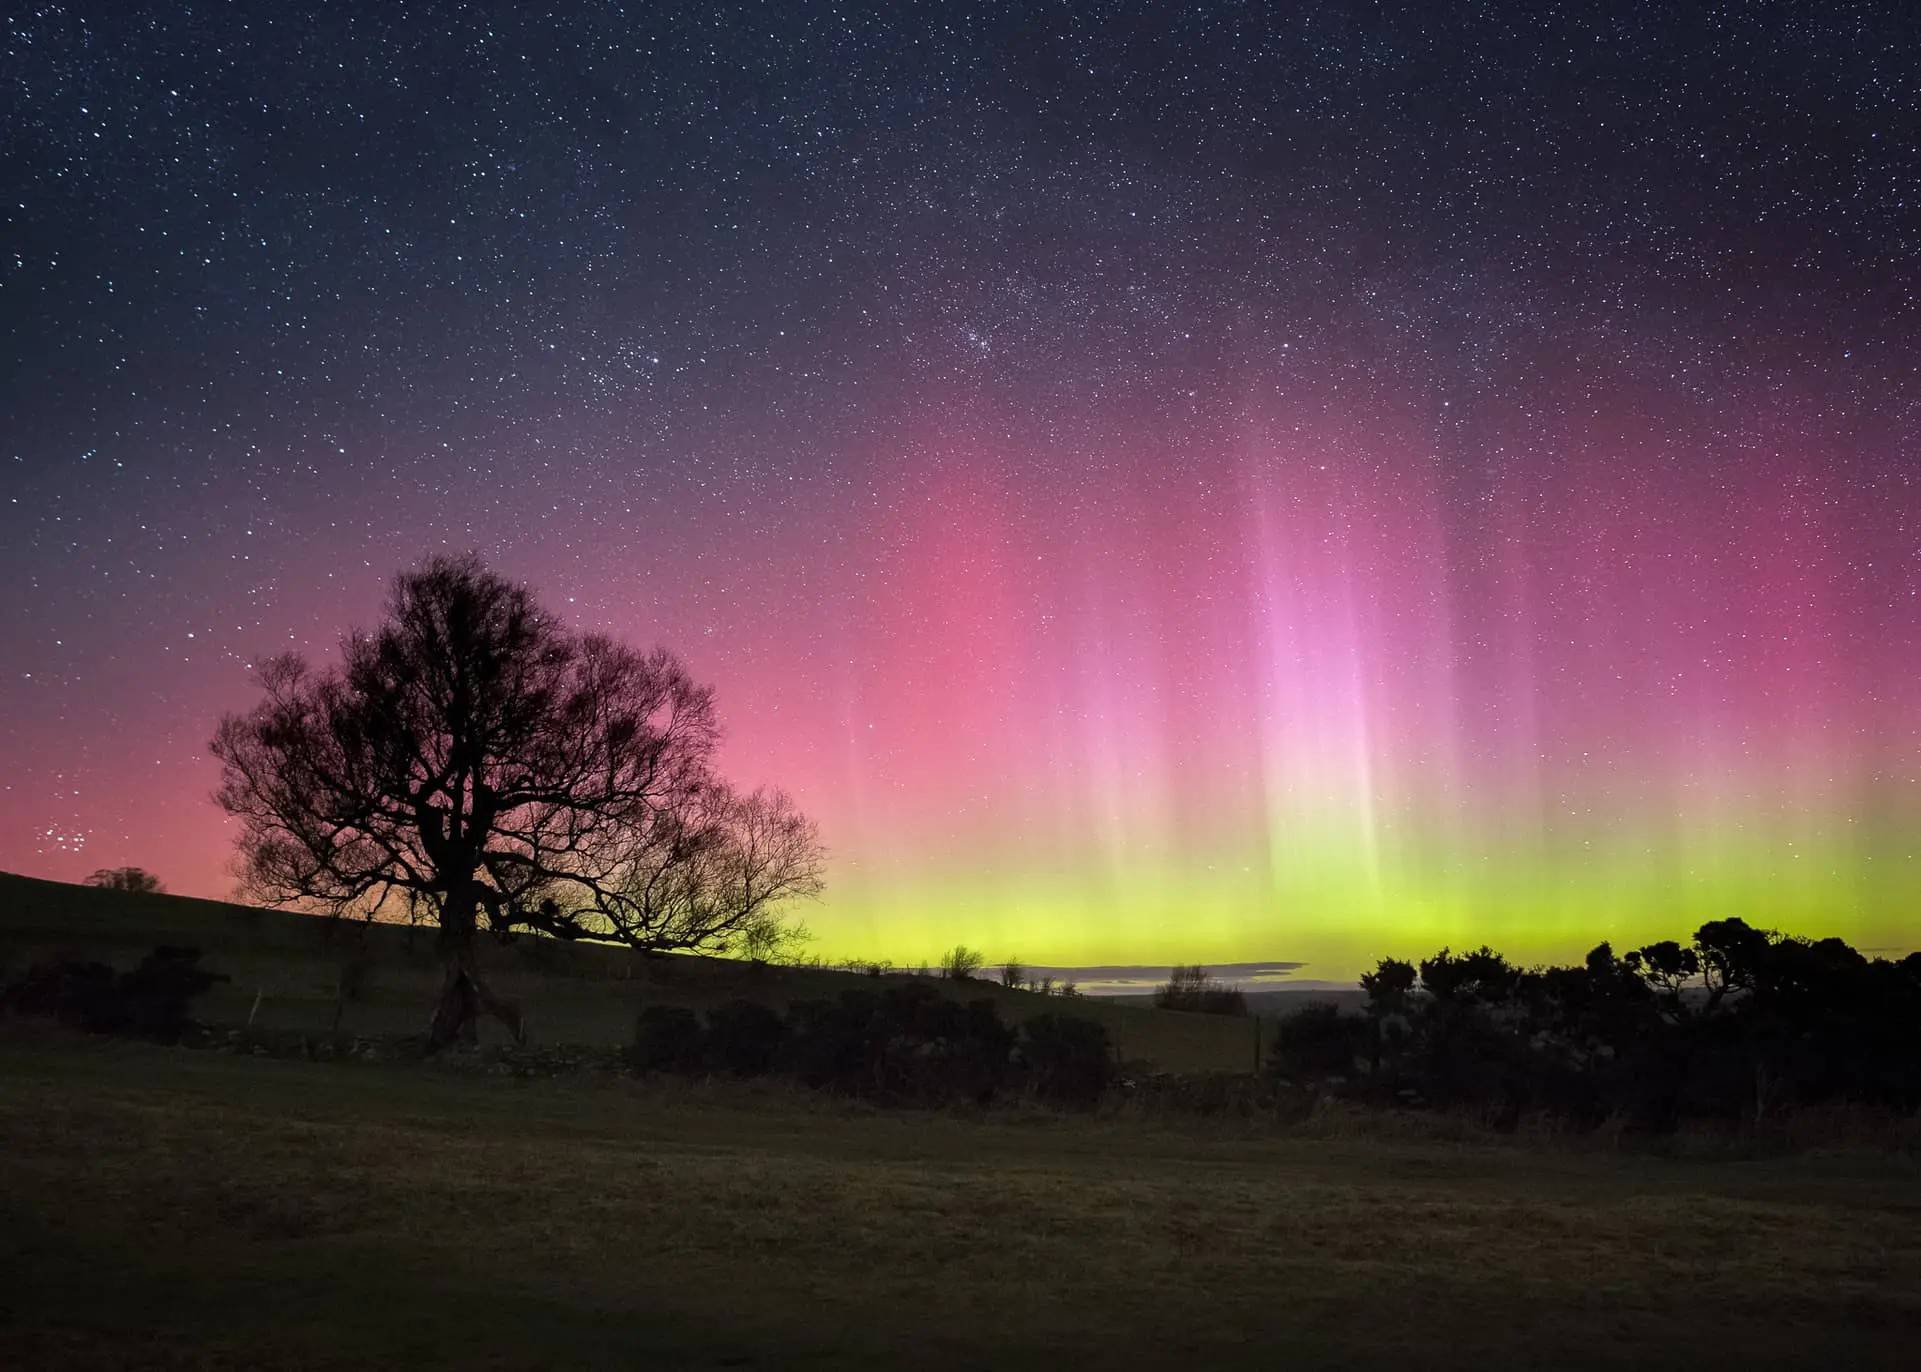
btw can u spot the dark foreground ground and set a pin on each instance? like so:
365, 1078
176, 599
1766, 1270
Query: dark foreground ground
191, 1209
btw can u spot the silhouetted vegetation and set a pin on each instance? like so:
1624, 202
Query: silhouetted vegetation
152, 1001
668, 1038
745, 1038
471, 758
135, 879
1735, 1025
1195, 988
1317, 1042
905, 1044
961, 963
1070, 1059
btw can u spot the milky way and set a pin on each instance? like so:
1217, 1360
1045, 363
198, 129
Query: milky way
1218, 484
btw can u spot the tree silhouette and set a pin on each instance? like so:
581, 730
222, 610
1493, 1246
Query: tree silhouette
1196, 988
136, 879
961, 963
470, 758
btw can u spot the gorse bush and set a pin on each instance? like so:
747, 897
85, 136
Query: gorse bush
904, 1044
668, 1038
151, 1001
1736, 1024
1068, 1060
744, 1038
1318, 1042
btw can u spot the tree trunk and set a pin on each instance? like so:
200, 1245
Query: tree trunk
463, 995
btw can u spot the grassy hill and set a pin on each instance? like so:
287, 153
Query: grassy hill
286, 973
192, 1209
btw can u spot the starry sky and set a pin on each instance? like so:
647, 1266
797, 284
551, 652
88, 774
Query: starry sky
1225, 483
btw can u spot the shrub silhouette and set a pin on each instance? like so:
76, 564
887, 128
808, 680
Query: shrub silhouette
906, 1044
744, 1037
1068, 1060
1318, 1041
1195, 988
1734, 1025
151, 1001
667, 1038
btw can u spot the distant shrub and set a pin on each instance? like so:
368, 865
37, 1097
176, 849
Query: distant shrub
1068, 1060
667, 1038
1012, 975
1196, 989
151, 1001
744, 1037
961, 963
1319, 1041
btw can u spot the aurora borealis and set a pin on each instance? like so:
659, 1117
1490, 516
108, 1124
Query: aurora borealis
1210, 486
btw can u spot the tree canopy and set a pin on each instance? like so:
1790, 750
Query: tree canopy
136, 879
471, 758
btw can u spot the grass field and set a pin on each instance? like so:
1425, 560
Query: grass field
573, 993
171, 1208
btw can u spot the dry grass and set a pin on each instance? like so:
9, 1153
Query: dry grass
168, 1208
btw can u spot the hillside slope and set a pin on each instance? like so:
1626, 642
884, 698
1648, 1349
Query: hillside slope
286, 968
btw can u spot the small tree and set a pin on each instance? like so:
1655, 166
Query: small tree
136, 879
1197, 989
472, 759
960, 963
1012, 975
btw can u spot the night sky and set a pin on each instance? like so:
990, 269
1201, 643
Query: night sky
1229, 483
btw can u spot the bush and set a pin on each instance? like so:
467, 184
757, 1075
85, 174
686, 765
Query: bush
1316, 1042
744, 1037
667, 1038
81, 995
152, 1001
907, 1044
1068, 1060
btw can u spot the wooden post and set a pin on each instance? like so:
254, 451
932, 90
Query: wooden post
259, 991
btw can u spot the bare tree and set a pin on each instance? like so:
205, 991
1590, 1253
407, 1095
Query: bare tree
471, 759
136, 879
960, 963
